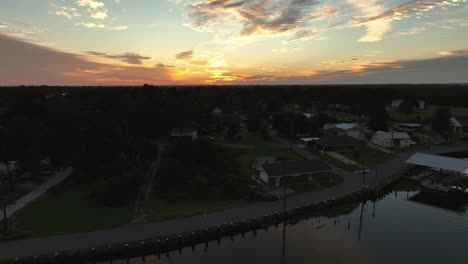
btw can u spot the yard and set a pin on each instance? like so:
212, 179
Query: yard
423, 115
262, 148
368, 156
310, 187
69, 211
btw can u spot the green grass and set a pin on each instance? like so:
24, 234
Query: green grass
368, 156
420, 116
162, 210
263, 148
329, 159
423, 115
311, 187
70, 211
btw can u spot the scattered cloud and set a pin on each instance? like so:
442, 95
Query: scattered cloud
26, 63
90, 25
131, 58
90, 3
463, 52
100, 15
185, 55
305, 19
411, 31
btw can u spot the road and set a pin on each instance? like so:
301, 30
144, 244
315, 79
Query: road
53, 180
148, 186
135, 232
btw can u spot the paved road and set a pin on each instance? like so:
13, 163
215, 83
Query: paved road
53, 180
135, 232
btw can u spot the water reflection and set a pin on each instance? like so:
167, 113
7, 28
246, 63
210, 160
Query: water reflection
404, 232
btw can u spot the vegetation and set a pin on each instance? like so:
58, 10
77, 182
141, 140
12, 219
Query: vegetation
70, 211
368, 156
334, 179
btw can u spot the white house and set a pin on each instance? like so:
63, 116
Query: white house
421, 103
339, 129
8, 167
308, 115
396, 103
391, 139
217, 111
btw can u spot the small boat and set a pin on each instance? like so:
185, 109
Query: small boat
429, 185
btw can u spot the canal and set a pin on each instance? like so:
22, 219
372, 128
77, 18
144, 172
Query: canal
404, 227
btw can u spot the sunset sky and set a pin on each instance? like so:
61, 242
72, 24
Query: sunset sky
167, 42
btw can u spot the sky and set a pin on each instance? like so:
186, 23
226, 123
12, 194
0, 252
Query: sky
247, 42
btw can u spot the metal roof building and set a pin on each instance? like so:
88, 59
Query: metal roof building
439, 162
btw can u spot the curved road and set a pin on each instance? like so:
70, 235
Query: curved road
135, 232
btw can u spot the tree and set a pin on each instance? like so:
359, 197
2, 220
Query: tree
406, 107
441, 120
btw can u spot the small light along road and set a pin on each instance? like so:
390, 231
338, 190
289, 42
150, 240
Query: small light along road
141, 231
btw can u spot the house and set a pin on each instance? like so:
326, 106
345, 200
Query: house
189, 133
392, 139
348, 117
293, 172
418, 103
428, 137
421, 104
397, 102
339, 143
258, 162
408, 127
217, 111
308, 115
338, 129
459, 124
8, 168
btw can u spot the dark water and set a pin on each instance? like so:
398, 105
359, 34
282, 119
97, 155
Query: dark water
404, 227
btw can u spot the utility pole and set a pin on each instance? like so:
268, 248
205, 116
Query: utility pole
5, 218
284, 196
392, 142
364, 174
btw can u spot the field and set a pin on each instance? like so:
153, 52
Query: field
69, 211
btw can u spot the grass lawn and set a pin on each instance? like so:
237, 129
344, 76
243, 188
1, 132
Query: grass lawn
329, 159
310, 187
420, 116
166, 209
263, 148
69, 211
368, 156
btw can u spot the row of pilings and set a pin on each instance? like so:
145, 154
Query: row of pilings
164, 245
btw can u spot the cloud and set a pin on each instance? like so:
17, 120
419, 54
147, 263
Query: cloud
463, 52
90, 3
185, 55
101, 26
68, 12
100, 15
27, 63
161, 65
411, 31
304, 19
90, 25
131, 58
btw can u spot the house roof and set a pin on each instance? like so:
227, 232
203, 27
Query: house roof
462, 119
284, 168
412, 125
439, 162
342, 126
343, 140
394, 135
182, 131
